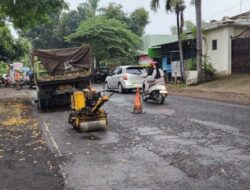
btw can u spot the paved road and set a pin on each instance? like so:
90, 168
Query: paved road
184, 144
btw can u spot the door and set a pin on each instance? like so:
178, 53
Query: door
117, 77
110, 79
241, 55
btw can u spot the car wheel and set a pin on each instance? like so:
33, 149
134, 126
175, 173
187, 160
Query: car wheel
120, 88
106, 87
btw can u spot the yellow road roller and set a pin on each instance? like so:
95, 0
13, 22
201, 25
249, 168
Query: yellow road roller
86, 114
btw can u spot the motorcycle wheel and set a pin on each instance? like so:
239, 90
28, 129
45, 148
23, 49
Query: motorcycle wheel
160, 99
144, 95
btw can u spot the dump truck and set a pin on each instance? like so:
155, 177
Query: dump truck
60, 72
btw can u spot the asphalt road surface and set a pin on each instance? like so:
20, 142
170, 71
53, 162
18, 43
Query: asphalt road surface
184, 144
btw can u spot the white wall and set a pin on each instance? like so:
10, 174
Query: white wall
220, 58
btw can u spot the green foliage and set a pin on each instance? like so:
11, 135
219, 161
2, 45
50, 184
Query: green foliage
28, 13
3, 68
89, 8
189, 26
139, 19
10, 48
115, 11
7, 50
207, 68
22, 47
191, 64
110, 39
50, 34
136, 21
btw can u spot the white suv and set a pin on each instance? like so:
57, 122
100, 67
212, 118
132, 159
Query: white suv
125, 78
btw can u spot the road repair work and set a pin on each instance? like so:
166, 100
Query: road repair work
184, 144
124, 95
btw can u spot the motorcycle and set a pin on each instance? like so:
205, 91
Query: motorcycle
157, 92
20, 84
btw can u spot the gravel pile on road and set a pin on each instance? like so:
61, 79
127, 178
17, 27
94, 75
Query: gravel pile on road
25, 161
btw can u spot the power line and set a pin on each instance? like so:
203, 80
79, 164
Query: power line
230, 8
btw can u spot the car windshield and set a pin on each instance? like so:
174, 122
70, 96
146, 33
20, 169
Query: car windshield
135, 70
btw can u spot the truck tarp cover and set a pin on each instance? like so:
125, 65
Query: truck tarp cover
59, 61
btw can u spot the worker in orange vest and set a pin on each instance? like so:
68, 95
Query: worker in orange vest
17, 79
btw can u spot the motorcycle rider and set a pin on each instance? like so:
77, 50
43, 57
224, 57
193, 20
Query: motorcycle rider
156, 73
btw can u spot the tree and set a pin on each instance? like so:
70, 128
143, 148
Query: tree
28, 13
198, 38
189, 26
177, 6
10, 48
139, 19
115, 11
89, 8
136, 21
51, 34
47, 35
110, 39
173, 30
7, 50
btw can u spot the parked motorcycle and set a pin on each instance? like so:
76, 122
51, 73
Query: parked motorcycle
157, 92
3, 82
20, 84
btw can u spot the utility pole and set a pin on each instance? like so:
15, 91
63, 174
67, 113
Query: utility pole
240, 6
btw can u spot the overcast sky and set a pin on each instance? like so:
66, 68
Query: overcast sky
160, 22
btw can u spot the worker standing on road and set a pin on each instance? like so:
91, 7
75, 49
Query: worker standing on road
155, 72
17, 79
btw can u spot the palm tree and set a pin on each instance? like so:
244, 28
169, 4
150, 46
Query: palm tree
89, 8
177, 6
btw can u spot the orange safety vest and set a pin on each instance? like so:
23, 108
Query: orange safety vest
17, 76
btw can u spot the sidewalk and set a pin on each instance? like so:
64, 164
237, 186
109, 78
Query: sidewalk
232, 89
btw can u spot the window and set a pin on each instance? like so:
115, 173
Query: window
119, 71
214, 45
114, 72
135, 70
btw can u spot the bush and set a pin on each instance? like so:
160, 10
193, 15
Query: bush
208, 69
191, 64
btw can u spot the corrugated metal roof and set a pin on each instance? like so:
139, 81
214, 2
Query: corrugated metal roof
149, 41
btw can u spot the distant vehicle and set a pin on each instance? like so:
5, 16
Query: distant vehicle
100, 74
125, 78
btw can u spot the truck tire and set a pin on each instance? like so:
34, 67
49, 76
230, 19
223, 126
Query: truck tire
44, 103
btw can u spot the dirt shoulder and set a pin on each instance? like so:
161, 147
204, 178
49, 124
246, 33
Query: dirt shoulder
25, 160
228, 97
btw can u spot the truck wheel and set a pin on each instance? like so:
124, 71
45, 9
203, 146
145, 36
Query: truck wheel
40, 105
43, 104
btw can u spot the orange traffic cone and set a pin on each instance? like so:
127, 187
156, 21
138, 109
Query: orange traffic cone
137, 103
